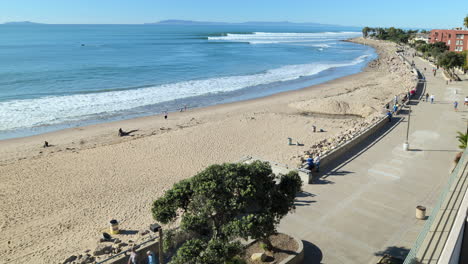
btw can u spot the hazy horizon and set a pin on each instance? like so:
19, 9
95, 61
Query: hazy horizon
358, 13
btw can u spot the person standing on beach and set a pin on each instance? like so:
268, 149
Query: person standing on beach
432, 98
455, 106
165, 114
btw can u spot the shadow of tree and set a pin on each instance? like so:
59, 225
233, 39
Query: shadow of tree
394, 255
312, 253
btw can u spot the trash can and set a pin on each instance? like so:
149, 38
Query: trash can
420, 212
114, 227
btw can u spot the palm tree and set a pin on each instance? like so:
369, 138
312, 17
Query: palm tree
465, 22
462, 138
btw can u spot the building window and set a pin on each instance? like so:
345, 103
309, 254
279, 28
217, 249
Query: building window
459, 42
450, 35
458, 48
448, 42
460, 36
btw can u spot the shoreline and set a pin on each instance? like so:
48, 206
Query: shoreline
57, 200
64, 138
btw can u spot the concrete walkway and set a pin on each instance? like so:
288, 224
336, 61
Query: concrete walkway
364, 205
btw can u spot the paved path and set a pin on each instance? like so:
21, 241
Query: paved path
364, 205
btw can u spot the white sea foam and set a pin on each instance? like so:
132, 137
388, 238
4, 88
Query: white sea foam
26, 113
273, 38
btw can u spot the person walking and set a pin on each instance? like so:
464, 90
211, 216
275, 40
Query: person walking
455, 106
427, 97
151, 257
432, 98
133, 257
395, 108
389, 116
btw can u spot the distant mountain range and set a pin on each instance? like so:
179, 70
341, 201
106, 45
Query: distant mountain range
21, 23
253, 23
194, 23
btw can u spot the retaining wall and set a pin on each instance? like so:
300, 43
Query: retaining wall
297, 258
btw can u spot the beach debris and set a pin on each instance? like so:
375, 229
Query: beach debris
143, 232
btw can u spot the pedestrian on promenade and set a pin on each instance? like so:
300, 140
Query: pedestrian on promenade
389, 116
466, 100
395, 108
455, 106
151, 257
317, 163
396, 99
427, 97
432, 98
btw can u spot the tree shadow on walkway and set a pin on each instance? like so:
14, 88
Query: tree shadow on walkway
312, 253
396, 254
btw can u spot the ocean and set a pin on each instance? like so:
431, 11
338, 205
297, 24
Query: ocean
60, 76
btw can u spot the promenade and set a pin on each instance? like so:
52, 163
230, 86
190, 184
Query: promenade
363, 206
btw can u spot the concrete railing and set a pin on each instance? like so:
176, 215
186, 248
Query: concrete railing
356, 139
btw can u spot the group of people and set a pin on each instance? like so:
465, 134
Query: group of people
432, 97
313, 163
150, 258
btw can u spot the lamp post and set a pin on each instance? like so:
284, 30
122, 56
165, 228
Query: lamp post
157, 228
406, 144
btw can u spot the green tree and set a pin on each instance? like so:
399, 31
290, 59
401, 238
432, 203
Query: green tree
450, 60
365, 31
462, 139
465, 22
225, 202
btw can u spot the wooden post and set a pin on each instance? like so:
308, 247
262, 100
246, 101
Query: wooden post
161, 252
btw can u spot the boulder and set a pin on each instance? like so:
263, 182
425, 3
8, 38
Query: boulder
102, 249
70, 259
258, 257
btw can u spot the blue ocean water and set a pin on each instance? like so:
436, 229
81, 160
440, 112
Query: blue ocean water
58, 76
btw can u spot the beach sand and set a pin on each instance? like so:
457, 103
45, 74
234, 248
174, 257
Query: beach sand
55, 202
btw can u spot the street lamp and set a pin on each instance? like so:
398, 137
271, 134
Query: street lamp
406, 144
157, 228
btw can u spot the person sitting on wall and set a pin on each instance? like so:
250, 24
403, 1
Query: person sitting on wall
389, 116
310, 163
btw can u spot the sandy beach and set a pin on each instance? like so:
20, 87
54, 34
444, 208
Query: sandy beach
54, 202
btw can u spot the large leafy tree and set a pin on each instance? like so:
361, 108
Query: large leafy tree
450, 60
365, 31
465, 22
223, 203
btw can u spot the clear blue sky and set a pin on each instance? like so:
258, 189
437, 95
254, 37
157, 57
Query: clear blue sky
400, 13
